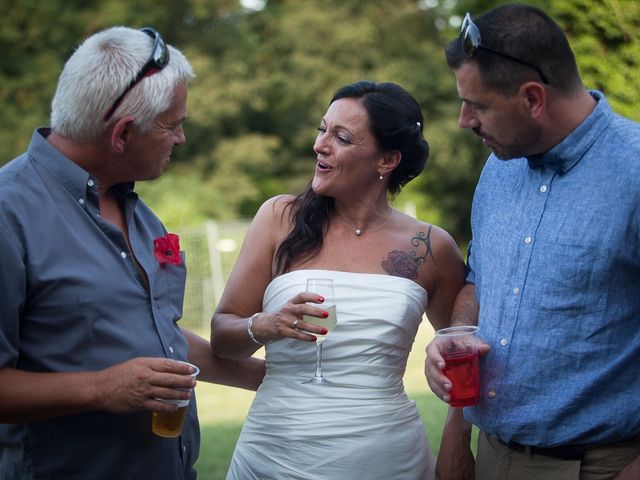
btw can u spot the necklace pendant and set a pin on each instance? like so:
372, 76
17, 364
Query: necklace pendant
358, 232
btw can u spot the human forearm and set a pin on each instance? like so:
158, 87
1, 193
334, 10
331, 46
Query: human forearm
229, 337
126, 387
455, 459
242, 373
456, 425
26, 396
465, 309
245, 373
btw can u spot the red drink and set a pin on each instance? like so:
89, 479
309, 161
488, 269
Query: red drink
461, 367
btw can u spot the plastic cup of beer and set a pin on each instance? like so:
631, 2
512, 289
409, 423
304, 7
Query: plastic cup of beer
170, 424
459, 348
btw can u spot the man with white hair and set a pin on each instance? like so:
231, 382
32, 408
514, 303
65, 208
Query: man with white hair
92, 284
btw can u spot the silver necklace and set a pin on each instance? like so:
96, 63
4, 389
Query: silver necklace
360, 231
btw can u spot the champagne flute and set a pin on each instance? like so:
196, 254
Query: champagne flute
324, 288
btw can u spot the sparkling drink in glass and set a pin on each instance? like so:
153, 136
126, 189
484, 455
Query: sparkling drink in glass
324, 288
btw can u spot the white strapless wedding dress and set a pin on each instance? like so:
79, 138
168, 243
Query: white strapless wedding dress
364, 427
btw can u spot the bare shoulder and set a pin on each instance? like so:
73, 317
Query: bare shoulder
276, 206
272, 214
419, 232
420, 250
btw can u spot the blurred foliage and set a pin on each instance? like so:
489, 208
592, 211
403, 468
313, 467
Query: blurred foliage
265, 76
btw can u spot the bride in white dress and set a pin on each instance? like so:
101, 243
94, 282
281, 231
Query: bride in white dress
388, 270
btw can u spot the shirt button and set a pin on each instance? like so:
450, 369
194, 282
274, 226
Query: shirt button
81, 201
516, 291
90, 183
491, 394
527, 240
123, 254
504, 342
543, 188
171, 349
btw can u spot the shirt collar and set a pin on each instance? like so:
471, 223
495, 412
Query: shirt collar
564, 156
70, 175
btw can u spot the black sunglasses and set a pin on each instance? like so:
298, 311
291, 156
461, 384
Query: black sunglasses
470, 36
157, 61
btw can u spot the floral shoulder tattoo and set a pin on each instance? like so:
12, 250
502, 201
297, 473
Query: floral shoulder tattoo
405, 264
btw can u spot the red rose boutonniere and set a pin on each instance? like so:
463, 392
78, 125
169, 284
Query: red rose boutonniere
167, 249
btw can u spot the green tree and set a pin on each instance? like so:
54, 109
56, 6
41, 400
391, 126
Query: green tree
606, 40
264, 78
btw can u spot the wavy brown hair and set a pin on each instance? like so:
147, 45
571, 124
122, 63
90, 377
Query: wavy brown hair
396, 124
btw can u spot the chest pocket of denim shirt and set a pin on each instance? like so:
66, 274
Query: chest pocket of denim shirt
574, 280
171, 288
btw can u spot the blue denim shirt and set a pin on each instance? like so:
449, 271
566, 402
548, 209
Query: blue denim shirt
555, 259
71, 299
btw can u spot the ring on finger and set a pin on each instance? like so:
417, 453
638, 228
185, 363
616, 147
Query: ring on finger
294, 325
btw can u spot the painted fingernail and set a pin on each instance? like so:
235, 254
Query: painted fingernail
325, 314
320, 299
313, 339
324, 331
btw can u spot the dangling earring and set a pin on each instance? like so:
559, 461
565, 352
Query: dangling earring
381, 177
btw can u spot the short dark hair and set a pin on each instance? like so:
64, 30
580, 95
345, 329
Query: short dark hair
396, 122
526, 33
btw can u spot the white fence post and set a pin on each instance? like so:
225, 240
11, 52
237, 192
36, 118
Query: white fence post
215, 260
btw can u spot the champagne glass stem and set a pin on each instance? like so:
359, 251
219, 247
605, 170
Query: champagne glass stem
318, 360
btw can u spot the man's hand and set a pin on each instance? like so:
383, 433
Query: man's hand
138, 383
434, 366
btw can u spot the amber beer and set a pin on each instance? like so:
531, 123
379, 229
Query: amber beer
170, 424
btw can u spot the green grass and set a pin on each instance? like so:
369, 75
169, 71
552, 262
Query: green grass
222, 411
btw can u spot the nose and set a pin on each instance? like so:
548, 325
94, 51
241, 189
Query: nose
467, 119
320, 145
179, 136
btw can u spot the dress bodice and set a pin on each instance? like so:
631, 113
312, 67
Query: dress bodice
378, 317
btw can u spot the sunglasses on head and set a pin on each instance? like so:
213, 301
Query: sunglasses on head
157, 61
470, 36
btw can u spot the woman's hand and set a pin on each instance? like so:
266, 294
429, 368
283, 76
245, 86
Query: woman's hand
289, 322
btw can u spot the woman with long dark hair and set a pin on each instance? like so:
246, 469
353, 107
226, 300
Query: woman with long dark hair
388, 269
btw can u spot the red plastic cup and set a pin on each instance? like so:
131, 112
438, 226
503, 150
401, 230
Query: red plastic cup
459, 348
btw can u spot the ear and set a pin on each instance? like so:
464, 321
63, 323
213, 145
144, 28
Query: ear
389, 161
535, 98
121, 133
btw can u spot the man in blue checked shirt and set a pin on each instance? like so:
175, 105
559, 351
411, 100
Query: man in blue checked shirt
554, 264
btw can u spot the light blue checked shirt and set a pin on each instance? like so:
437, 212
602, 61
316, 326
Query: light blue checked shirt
556, 261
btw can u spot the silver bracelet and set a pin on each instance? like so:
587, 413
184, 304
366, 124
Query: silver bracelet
250, 332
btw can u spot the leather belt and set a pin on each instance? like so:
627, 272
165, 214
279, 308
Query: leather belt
566, 452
